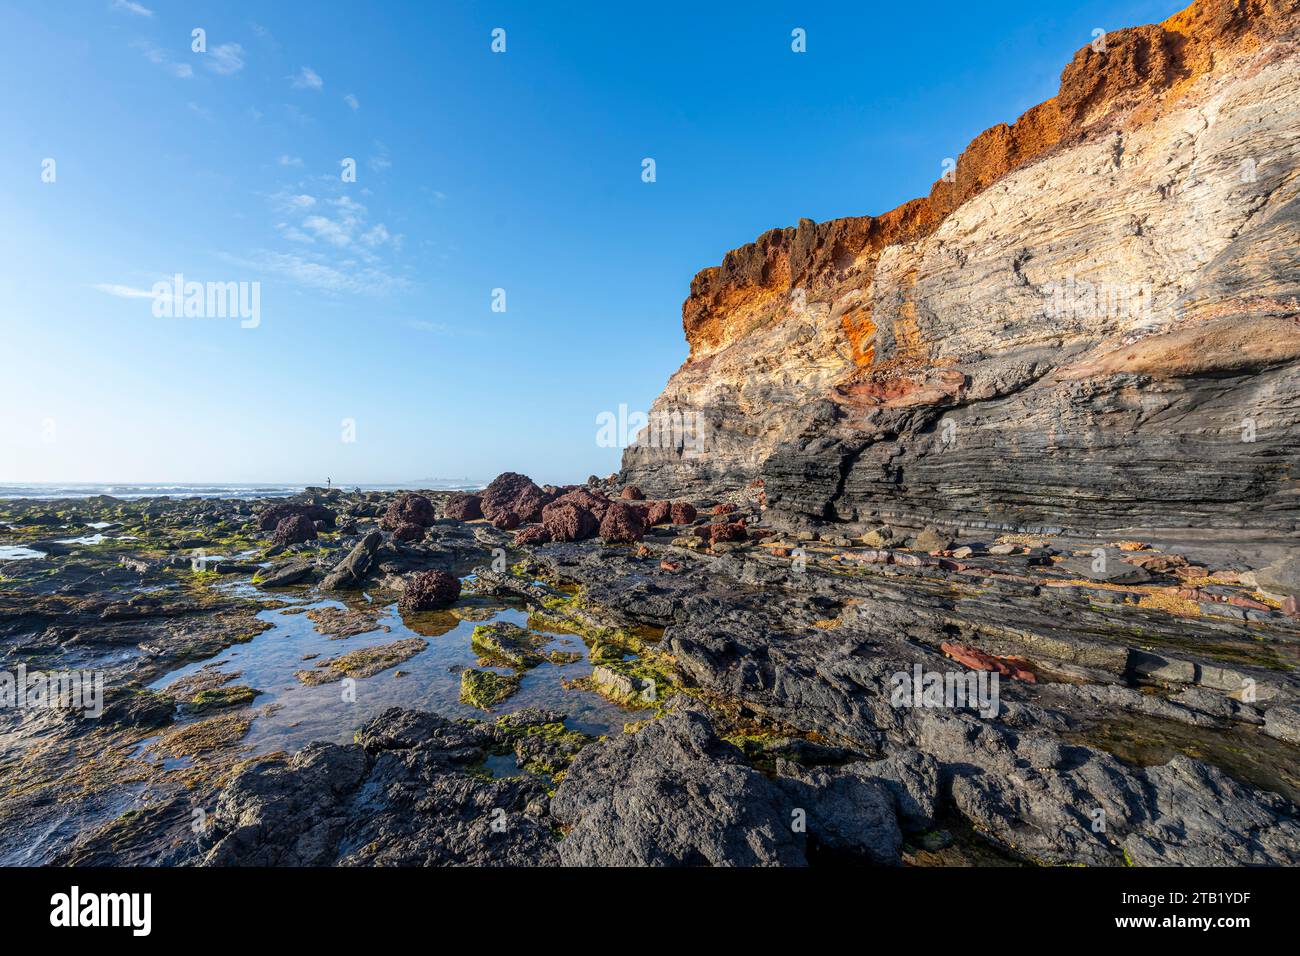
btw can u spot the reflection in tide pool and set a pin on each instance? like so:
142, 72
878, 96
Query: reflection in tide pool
300, 714
13, 552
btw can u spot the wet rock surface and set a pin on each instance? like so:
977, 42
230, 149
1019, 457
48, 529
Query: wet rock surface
768, 725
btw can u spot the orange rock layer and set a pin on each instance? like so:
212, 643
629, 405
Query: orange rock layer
1141, 71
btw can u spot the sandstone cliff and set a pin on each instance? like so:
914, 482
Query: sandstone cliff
1093, 324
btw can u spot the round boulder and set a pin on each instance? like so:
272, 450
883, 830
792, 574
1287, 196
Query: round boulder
294, 530
463, 507
409, 508
511, 491
622, 524
683, 512
569, 522
429, 591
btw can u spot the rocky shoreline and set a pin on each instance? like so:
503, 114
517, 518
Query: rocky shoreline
1145, 711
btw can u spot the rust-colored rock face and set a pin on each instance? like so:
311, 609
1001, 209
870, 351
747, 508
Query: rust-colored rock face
1122, 86
1105, 288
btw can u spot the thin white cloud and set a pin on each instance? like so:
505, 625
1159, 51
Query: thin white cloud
322, 227
129, 6
226, 59
314, 272
307, 79
352, 101
123, 291
302, 201
287, 160
424, 325
376, 236
160, 58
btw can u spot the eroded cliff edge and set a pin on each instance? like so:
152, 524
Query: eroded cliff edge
1093, 324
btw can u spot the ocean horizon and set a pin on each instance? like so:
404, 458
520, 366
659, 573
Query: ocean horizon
133, 491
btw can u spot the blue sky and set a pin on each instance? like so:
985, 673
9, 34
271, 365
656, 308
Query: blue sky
475, 171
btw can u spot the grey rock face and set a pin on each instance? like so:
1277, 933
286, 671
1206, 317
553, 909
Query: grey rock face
672, 794
350, 573
401, 796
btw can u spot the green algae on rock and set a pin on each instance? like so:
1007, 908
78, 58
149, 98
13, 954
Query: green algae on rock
363, 663
486, 689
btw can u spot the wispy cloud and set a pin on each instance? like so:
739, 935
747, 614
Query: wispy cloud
352, 101
316, 272
381, 160
160, 58
123, 291
307, 79
129, 6
346, 225
287, 160
441, 328
226, 59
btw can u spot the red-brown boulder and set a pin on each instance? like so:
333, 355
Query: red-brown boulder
268, 519
294, 529
409, 508
569, 522
592, 501
506, 521
659, 512
683, 512
533, 534
429, 591
511, 491
463, 507
632, 493
622, 524
408, 531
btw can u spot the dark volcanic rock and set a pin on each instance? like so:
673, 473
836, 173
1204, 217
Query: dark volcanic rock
403, 795
271, 517
430, 591
408, 531
622, 524
463, 507
294, 530
288, 572
351, 571
506, 521
849, 816
672, 794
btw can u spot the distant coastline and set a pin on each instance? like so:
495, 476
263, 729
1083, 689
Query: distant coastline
130, 491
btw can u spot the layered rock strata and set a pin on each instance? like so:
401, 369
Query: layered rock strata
1091, 323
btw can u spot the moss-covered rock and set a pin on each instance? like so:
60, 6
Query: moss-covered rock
486, 689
